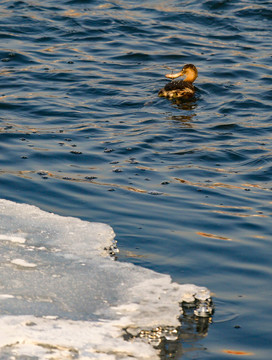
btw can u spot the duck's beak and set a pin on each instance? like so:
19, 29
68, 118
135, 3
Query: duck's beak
174, 76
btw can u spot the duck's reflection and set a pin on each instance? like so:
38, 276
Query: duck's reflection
188, 113
186, 105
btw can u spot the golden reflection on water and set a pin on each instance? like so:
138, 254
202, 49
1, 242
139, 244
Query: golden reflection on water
237, 352
74, 13
214, 185
229, 206
237, 214
256, 186
131, 254
28, 174
84, 179
209, 185
233, 213
213, 236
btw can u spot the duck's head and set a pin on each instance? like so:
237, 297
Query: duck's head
188, 70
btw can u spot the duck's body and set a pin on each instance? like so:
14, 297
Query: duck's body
181, 88
178, 89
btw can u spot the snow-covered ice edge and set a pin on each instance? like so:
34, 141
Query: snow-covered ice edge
63, 297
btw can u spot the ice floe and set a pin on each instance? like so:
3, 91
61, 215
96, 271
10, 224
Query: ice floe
62, 296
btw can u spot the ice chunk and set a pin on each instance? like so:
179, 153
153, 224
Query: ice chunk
77, 302
13, 238
63, 339
40, 228
5, 296
23, 263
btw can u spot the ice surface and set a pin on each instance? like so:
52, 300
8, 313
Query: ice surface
18, 239
61, 339
63, 297
23, 263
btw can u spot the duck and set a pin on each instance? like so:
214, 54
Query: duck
180, 89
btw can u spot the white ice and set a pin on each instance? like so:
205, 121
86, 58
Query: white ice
61, 294
18, 239
23, 263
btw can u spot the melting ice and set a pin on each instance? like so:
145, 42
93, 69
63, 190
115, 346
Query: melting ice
62, 296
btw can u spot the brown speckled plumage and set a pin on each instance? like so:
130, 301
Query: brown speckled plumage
180, 88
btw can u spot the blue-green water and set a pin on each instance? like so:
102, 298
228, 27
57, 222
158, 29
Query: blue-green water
186, 186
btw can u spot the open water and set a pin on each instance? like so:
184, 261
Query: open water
186, 186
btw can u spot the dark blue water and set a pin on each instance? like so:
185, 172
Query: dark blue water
186, 186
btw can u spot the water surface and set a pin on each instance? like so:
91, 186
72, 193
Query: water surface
186, 186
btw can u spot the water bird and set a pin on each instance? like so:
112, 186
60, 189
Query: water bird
180, 89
